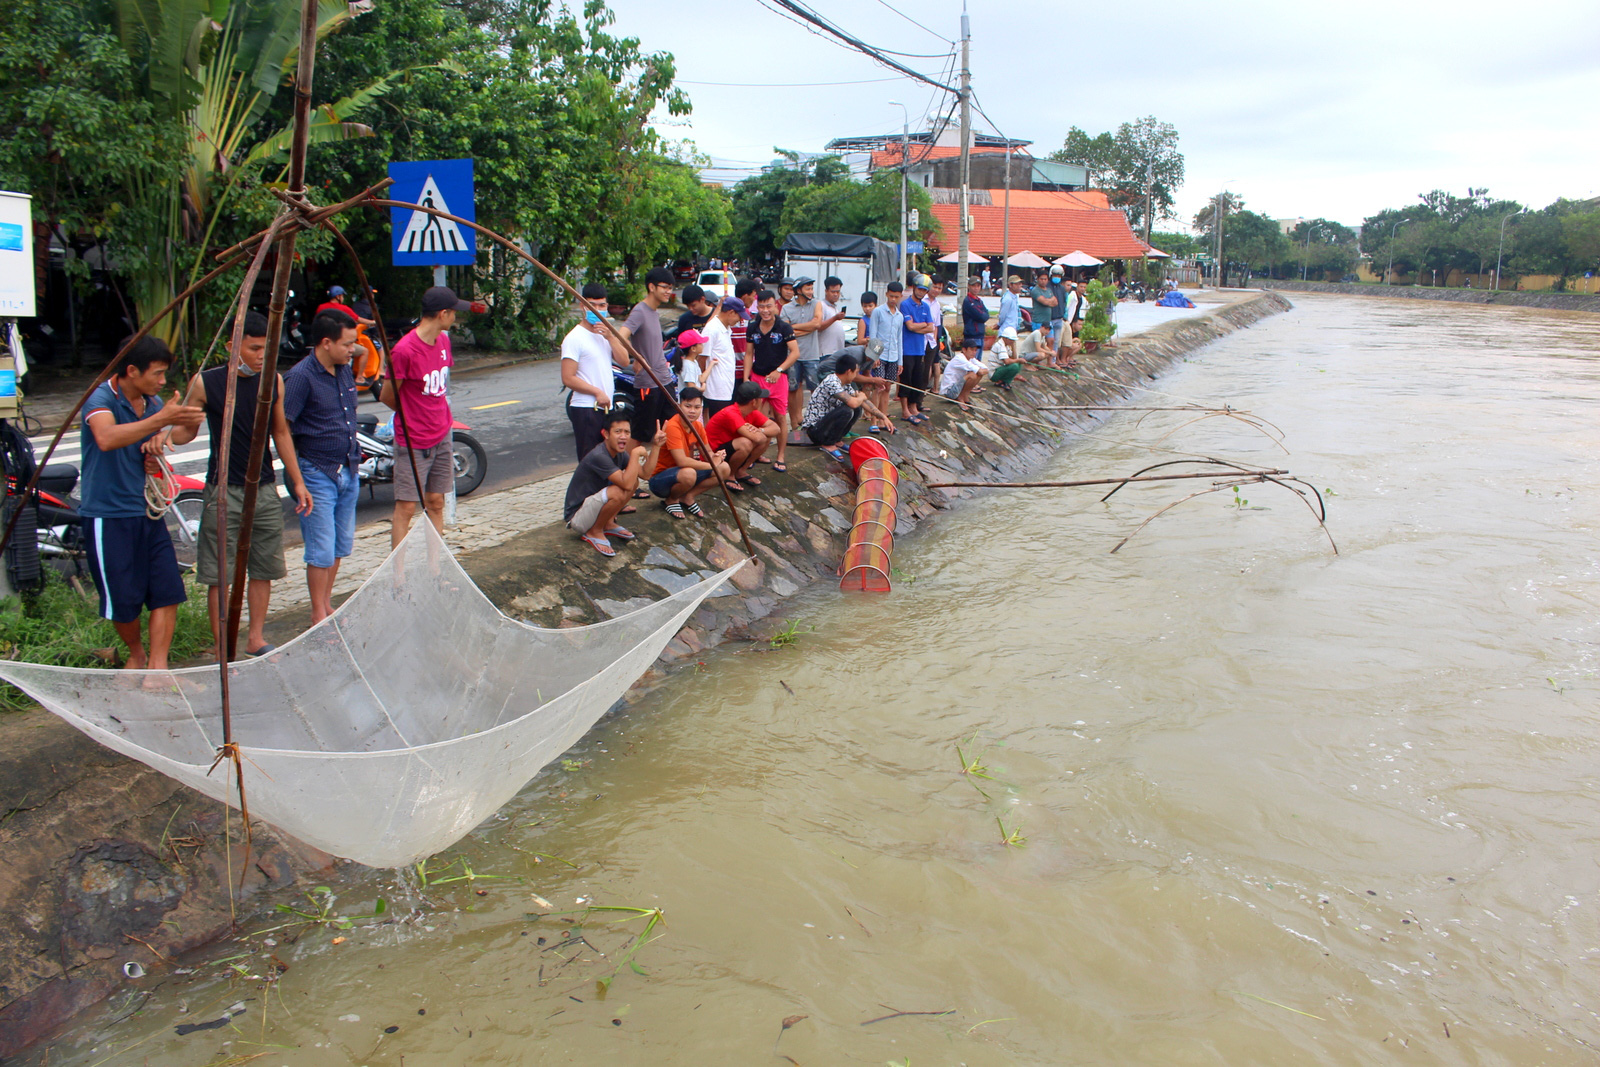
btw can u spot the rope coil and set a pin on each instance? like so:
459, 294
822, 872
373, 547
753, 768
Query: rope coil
160, 489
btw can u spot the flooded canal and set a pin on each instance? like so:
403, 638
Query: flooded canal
1265, 804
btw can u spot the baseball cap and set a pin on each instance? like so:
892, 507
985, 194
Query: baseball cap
747, 391
733, 303
690, 337
440, 298
337, 290
804, 280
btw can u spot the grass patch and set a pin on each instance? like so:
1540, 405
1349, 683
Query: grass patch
62, 627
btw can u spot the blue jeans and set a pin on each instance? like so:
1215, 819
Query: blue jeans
329, 532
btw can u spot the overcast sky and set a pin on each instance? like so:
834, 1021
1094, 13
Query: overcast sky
1306, 110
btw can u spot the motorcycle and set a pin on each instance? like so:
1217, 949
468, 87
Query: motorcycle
377, 455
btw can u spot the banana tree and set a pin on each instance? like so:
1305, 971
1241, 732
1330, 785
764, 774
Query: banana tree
216, 65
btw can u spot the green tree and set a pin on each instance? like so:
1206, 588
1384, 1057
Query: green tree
1182, 245
759, 202
1255, 242
1140, 159
871, 208
1324, 248
1205, 218
1582, 235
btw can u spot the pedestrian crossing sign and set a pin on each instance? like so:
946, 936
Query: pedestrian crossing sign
418, 239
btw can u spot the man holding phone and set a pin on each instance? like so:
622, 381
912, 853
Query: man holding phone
830, 339
589, 355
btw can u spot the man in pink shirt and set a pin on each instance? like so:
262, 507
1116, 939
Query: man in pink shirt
419, 372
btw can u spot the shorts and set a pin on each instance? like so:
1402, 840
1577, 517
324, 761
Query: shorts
588, 511
889, 372
803, 375
951, 392
436, 466
711, 407
726, 450
652, 407
1008, 333
911, 378
780, 396
266, 536
134, 566
661, 483
329, 531
588, 426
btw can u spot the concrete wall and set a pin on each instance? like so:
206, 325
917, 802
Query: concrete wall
1551, 301
96, 850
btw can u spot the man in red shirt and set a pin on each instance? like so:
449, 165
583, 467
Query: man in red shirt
740, 434
418, 385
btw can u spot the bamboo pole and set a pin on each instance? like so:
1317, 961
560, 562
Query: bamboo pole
1242, 476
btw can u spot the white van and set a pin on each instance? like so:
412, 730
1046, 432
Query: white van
717, 283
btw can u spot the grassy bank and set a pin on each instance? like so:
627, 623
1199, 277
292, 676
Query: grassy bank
61, 626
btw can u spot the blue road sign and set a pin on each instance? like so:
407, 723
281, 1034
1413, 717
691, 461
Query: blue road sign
418, 239
913, 248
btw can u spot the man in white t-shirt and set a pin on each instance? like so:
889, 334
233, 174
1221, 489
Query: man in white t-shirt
721, 360
589, 353
963, 373
830, 339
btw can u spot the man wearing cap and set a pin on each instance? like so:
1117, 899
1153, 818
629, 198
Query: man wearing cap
740, 434
590, 355
721, 358
919, 328
653, 378
418, 389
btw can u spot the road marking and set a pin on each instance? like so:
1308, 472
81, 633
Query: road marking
501, 404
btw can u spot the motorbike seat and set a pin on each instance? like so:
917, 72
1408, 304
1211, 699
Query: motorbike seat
59, 478
367, 424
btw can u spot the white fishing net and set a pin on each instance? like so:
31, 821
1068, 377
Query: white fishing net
389, 730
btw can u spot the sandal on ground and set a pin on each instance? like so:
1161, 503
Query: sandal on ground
763, 459
629, 510
749, 479
834, 453
264, 650
875, 429
733, 486
693, 507
779, 466
601, 545
641, 494
675, 510
621, 533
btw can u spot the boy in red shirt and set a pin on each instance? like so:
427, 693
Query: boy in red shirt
419, 369
740, 434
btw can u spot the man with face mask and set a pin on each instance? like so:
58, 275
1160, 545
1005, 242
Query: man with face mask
209, 390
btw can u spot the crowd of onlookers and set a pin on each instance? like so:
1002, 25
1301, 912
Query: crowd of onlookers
742, 378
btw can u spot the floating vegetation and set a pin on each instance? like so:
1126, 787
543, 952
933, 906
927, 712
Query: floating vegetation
432, 872
1011, 838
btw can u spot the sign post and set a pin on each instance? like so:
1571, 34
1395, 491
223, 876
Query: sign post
418, 239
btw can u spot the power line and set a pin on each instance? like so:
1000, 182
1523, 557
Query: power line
914, 22
802, 12
786, 85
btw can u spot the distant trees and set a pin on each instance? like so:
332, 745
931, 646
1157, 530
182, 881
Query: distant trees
1140, 156
821, 197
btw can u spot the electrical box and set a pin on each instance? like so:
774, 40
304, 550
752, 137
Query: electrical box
914, 219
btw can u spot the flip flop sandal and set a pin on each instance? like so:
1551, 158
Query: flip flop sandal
733, 486
621, 533
641, 494
763, 459
264, 650
629, 510
749, 479
834, 453
675, 510
694, 508
874, 429
601, 545
780, 467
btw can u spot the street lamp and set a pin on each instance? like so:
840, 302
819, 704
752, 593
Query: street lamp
1502, 247
1306, 259
905, 167
1390, 268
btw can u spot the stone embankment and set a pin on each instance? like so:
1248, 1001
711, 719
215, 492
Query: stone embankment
1548, 301
104, 862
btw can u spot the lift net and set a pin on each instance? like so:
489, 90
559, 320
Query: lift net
386, 732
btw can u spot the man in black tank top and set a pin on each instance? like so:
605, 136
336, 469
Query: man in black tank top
208, 389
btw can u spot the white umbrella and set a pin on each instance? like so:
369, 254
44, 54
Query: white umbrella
1156, 253
955, 257
1079, 259
1026, 259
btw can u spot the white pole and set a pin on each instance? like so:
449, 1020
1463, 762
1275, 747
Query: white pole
966, 151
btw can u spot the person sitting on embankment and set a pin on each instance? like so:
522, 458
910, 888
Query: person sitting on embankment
605, 481
835, 406
740, 434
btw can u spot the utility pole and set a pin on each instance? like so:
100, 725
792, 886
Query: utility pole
1005, 240
1222, 247
966, 151
905, 167
1149, 182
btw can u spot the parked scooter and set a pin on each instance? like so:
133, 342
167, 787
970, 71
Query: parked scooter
377, 454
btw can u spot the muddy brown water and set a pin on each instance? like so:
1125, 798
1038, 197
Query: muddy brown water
1275, 805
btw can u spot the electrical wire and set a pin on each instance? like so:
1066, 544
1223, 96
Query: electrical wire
789, 85
796, 11
914, 22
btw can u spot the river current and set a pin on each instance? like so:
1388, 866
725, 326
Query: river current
1266, 804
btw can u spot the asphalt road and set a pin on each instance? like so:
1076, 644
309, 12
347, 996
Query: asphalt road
516, 412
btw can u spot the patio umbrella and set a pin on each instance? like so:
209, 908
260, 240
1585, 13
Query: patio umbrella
1078, 259
1026, 259
955, 257
1156, 253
